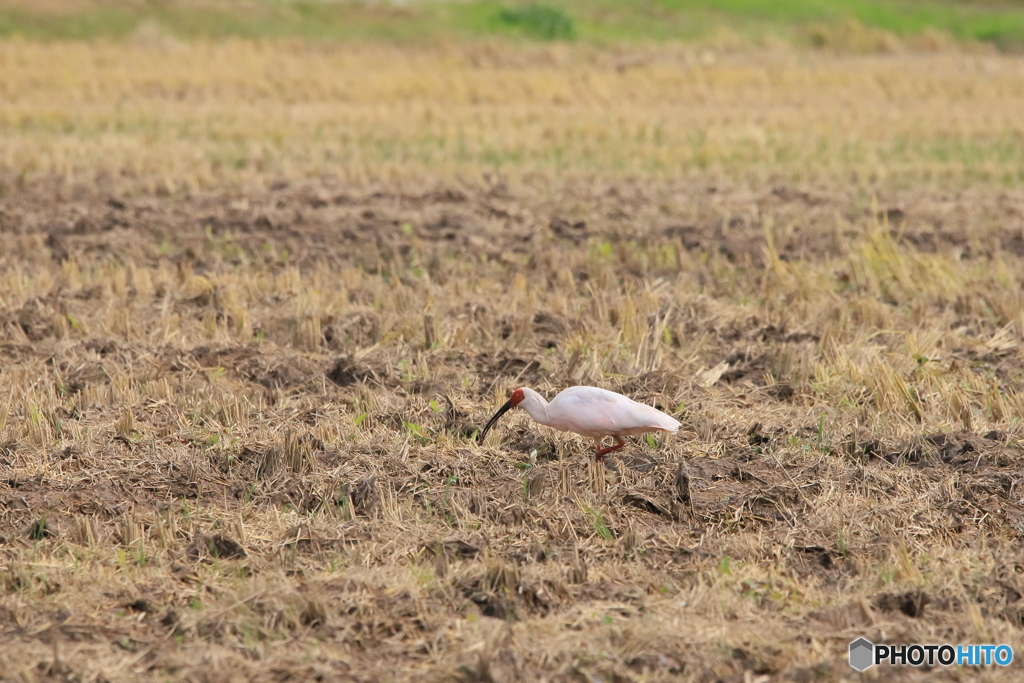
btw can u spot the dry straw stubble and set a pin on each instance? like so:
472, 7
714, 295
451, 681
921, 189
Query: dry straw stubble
248, 414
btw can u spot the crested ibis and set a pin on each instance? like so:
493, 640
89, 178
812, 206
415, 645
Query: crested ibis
589, 411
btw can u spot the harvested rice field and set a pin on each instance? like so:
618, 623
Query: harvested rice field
258, 297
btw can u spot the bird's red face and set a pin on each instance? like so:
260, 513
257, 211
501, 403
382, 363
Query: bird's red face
517, 397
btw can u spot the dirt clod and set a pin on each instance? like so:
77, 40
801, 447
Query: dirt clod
216, 547
911, 603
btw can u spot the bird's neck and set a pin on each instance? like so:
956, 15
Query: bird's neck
536, 406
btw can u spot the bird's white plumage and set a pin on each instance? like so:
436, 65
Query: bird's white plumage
589, 411
595, 413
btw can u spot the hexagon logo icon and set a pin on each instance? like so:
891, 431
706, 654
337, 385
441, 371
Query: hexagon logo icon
862, 654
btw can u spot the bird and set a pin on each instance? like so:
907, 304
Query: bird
589, 411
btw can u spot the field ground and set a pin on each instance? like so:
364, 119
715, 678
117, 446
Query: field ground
248, 328
176, 117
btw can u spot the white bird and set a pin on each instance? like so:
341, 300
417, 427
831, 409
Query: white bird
589, 411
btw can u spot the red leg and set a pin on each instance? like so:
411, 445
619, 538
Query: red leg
601, 452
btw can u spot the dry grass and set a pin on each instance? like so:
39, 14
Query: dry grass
235, 423
185, 116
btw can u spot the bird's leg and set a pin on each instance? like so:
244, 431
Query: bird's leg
601, 452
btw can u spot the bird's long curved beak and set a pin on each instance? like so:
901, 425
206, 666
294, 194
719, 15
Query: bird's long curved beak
501, 411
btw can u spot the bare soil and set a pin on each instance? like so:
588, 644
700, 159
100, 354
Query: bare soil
247, 495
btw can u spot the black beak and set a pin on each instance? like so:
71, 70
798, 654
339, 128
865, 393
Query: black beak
501, 411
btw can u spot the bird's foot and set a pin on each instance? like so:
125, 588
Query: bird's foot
601, 452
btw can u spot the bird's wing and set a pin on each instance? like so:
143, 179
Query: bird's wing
590, 411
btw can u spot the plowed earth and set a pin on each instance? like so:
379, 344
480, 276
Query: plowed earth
236, 438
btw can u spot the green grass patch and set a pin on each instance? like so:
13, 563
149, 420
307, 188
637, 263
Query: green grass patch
598, 21
539, 21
